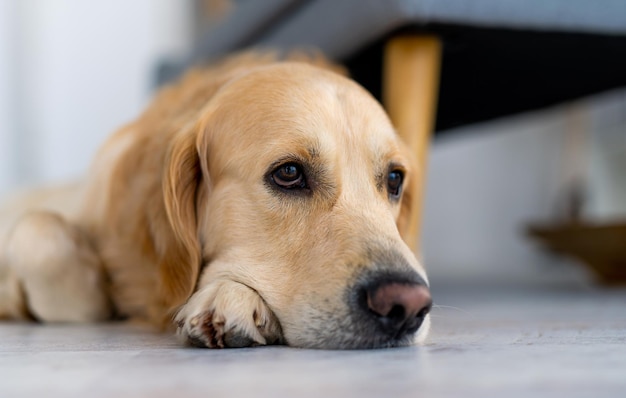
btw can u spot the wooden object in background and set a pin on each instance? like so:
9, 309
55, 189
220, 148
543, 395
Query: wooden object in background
410, 88
601, 247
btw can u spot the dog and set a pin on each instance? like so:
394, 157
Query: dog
256, 201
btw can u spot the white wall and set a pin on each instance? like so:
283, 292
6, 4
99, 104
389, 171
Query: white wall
7, 127
487, 182
484, 183
77, 70
607, 157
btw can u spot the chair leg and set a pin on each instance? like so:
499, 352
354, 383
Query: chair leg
410, 88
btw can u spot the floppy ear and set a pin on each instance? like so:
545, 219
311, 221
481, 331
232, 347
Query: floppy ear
410, 208
180, 261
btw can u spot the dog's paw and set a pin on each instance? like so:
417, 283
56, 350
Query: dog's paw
227, 314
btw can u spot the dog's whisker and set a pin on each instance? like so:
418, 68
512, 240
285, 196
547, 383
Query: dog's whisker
445, 307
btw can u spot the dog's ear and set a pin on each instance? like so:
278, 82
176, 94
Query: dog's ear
407, 225
181, 256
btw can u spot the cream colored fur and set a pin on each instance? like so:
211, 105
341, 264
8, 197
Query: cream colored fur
177, 219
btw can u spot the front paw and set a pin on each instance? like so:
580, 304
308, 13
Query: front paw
227, 314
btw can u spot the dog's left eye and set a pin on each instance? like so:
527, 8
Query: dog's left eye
394, 183
289, 176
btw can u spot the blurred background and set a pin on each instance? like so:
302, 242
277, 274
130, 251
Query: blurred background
71, 72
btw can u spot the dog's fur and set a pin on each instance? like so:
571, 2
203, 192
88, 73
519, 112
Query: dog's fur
179, 215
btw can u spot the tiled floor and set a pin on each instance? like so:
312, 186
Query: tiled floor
491, 344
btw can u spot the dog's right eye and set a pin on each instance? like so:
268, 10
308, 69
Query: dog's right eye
289, 176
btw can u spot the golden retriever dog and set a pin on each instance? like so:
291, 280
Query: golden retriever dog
257, 201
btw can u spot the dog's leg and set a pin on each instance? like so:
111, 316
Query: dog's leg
51, 268
12, 303
225, 313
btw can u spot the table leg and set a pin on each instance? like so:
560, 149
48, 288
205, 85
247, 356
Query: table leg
410, 88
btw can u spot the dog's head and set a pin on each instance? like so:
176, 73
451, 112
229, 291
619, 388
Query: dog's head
294, 183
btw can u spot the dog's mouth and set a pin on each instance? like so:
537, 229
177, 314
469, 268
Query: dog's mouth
351, 334
382, 309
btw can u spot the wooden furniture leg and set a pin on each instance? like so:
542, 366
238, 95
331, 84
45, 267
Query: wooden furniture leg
410, 88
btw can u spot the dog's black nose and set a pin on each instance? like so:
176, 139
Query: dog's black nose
399, 308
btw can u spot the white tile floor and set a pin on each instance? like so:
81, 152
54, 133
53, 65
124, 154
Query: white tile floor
496, 344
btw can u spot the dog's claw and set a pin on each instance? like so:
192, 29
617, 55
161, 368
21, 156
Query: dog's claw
235, 339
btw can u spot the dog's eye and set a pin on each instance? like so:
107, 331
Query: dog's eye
289, 176
394, 183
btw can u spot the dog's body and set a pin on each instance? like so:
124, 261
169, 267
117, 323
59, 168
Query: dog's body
258, 202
